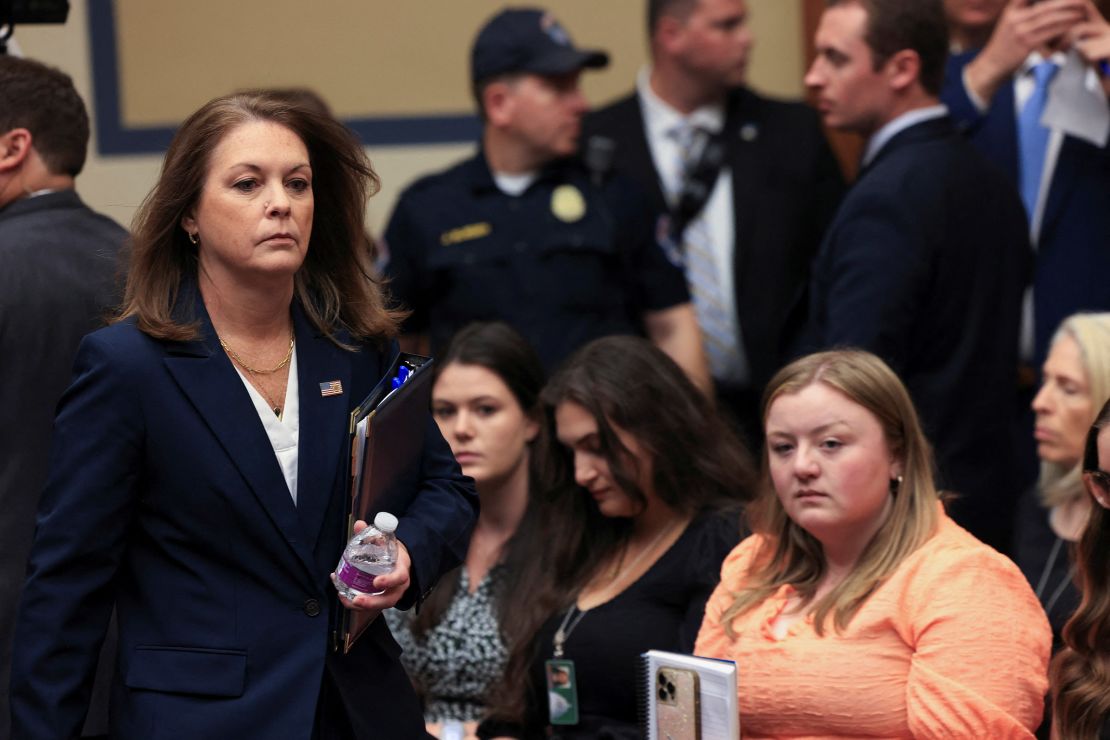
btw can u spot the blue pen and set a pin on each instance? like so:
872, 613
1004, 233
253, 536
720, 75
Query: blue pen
1104, 67
403, 373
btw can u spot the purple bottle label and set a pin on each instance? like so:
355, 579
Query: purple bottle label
355, 578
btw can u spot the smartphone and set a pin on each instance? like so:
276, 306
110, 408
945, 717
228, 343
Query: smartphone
678, 705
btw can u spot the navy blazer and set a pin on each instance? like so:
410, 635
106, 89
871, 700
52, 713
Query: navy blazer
165, 498
1073, 249
925, 265
786, 185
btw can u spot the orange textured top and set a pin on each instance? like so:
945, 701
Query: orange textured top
953, 645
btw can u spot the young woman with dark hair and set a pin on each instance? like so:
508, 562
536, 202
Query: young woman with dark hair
1080, 674
641, 493
486, 401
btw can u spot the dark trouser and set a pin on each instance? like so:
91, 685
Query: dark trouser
392, 713
331, 716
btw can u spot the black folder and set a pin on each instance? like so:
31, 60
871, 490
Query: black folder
386, 436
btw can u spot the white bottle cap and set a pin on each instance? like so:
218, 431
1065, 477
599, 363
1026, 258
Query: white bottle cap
385, 522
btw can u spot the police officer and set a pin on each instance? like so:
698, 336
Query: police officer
524, 232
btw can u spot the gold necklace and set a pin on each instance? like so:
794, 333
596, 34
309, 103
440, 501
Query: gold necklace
255, 371
275, 407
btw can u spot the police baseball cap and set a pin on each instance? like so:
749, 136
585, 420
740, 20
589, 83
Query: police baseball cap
528, 40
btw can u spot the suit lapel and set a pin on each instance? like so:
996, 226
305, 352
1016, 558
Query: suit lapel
1060, 187
742, 144
207, 377
927, 130
323, 422
1003, 132
636, 158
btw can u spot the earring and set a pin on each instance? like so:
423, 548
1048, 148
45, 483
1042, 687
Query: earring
895, 484
193, 238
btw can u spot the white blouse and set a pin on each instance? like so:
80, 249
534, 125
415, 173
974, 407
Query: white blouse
284, 433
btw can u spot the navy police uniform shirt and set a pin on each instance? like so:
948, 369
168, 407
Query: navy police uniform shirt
564, 262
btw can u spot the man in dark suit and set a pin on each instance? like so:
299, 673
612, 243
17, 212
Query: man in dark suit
927, 257
987, 87
57, 264
749, 246
1066, 190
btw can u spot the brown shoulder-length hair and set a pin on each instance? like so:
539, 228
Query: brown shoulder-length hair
335, 285
791, 555
1080, 673
697, 464
499, 348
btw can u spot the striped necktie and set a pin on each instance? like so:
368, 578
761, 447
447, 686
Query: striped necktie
719, 334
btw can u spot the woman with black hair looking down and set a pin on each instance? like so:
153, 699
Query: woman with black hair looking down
641, 499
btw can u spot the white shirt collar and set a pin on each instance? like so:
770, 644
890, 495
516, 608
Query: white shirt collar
910, 118
514, 184
662, 118
1058, 58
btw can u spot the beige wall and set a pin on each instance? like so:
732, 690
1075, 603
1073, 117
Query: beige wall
174, 56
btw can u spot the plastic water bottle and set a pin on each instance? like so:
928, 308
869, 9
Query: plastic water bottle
370, 553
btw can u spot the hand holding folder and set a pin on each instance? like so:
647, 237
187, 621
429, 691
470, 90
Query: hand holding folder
386, 436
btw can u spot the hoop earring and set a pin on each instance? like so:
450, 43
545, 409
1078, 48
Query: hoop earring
193, 238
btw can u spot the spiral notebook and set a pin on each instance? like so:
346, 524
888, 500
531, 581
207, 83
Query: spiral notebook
684, 697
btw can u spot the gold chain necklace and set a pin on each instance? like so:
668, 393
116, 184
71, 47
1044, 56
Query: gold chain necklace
274, 406
255, 371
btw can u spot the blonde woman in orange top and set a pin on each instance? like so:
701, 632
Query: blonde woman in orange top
859, 609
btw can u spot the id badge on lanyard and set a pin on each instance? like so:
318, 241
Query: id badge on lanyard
562, 691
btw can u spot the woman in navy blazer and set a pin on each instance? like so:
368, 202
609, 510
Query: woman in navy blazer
196, 478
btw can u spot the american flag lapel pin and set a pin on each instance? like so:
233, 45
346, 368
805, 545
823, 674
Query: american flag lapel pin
331, 388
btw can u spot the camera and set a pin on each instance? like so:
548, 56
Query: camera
14, 12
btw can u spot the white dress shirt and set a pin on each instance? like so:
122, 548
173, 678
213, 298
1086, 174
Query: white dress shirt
660, 121
284, 433
1024, 85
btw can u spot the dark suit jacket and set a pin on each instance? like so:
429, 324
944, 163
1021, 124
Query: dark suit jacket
786, 185
165, 497
925, 265
57, 271
1073, 250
